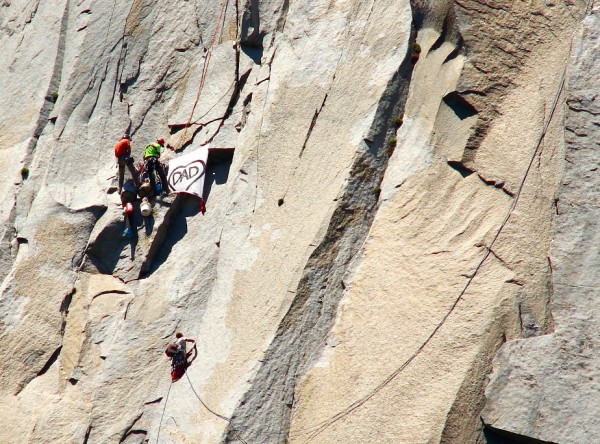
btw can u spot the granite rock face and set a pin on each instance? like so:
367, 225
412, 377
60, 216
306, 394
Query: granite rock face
411, 188
539, 380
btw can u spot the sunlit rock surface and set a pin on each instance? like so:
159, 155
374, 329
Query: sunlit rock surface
411, 187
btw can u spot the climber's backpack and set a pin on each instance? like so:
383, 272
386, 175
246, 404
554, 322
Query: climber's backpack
171, 350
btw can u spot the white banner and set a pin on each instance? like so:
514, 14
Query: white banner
187, 173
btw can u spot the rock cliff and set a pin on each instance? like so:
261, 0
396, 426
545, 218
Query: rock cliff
400, 249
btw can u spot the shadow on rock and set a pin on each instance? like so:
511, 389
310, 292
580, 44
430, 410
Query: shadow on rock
216, 174
149, 224
187, 207
108, 247
503, 437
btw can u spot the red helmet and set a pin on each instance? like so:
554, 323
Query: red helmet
160, 141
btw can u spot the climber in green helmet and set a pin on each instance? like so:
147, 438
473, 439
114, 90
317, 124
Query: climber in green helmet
152, 164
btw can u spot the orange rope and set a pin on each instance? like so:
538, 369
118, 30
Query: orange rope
205, 68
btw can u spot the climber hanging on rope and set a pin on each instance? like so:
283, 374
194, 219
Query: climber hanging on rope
128, 197
152, 165
179, 357
123, 155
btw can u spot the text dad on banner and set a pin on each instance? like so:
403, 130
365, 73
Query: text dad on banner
187, 173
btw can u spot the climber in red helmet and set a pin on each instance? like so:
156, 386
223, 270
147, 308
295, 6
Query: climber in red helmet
179, 356
123, 155
152, 164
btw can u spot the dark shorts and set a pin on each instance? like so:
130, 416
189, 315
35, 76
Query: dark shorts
178, 358
125, 159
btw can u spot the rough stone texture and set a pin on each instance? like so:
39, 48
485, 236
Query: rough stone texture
451, 262
383, 227
538, 380
265, 410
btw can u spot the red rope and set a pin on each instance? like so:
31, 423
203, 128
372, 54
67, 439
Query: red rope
206, 65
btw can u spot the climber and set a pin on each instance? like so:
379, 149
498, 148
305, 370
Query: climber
179, 356
123, 155
128, 196
152, 164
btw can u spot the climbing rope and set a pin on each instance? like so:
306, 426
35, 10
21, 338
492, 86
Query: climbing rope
104, 48
317, 429
163, 412
218, 30
224, 418
260, 127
